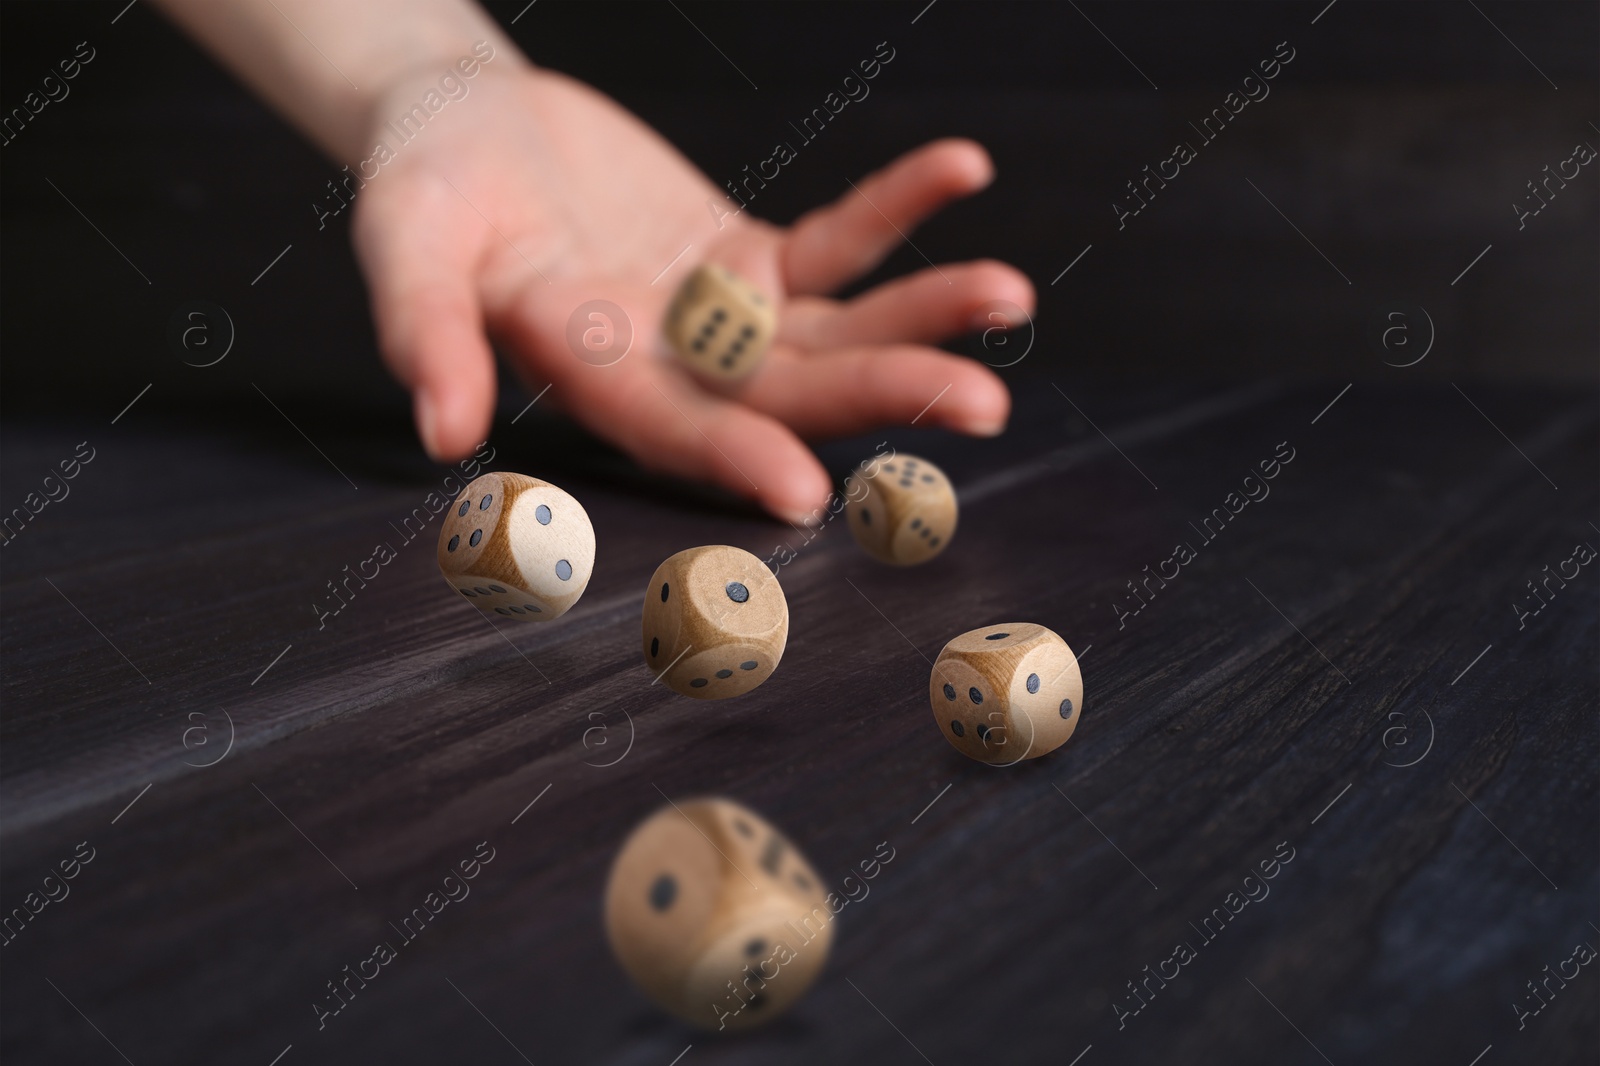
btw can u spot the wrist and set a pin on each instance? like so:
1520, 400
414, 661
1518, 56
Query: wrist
418, 87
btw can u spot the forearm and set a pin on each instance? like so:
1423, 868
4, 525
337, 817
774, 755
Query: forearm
326, 65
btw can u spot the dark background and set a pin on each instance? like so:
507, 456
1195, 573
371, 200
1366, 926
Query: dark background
1278, 692
1397, 141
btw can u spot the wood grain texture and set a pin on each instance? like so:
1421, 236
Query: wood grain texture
1433, 776
1311, 682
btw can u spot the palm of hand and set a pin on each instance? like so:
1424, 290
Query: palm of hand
539, 194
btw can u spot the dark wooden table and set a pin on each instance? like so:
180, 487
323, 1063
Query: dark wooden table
1340, 678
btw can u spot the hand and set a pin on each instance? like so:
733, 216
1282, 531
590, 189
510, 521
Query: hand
534, 194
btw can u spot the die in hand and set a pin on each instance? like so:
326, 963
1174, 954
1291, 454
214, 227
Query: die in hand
1006, 692
715, 915
720, 324
715, 622
517, 547
908, 514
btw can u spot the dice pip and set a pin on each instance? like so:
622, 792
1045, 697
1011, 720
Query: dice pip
1006, 692
908, 513
715, 915
517, 547
715, 622
719, 323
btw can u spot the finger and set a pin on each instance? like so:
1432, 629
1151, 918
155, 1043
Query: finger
665, 421
926, 308
853, 389
832, 245
693, 434
430, 327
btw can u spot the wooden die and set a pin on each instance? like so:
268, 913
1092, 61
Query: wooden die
715, 622
1006, 692
517, 547
715, 915
719, 323
908, 513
